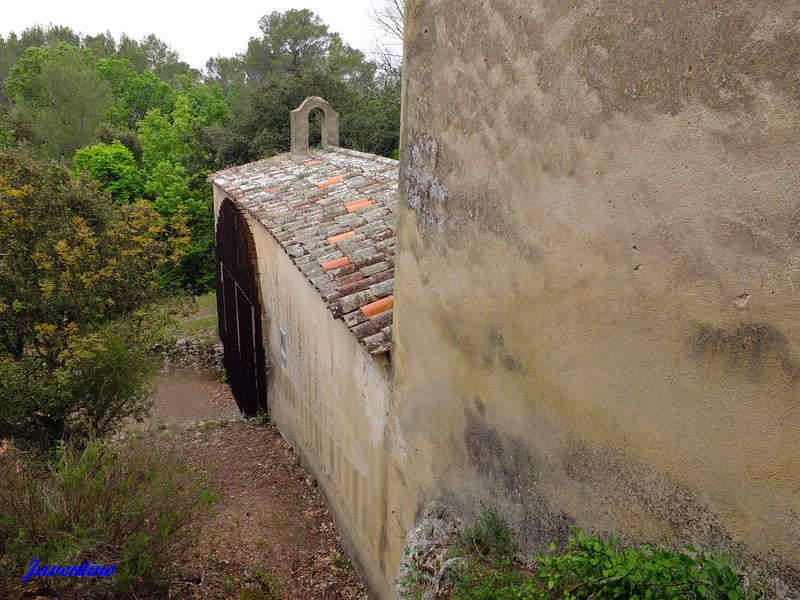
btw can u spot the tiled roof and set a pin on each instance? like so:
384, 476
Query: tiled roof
334, 214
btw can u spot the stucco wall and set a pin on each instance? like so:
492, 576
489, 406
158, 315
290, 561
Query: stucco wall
331, 402
598, 283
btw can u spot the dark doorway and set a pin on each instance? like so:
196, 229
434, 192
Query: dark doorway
239, 310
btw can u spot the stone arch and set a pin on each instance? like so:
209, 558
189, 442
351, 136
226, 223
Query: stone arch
299, 124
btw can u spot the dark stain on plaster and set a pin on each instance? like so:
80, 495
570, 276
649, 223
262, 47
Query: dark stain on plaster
511, 465
637, 57
619, 481
748, 350
484, 355
498, 345
424, 168
511, 470
509, 475
480, 406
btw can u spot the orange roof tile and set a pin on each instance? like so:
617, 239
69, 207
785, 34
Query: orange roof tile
335, 264
342, 236
354, 205
313, 163
377, 307
330, 181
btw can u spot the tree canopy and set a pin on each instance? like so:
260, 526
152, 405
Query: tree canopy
142, 124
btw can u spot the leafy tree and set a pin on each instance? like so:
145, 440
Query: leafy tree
134, 93
226, 72
114, 168
297, 39
108, 133
176, 178
130, 50
59, 91
102, 45
164, 137
373, 128
23, 83
72, 264
161, 59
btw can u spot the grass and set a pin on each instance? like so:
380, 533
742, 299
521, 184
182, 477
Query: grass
201, 317
196, 318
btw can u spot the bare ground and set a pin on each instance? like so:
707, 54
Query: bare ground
272, 535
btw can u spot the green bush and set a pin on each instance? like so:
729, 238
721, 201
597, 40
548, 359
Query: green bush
91, 392
78, 276
114, 168
589, 568
592, 568
134, 506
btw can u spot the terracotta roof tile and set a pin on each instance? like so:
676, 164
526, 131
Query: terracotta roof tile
330, 181
358, 204
335, 239
373, 308
335, 263
314, 205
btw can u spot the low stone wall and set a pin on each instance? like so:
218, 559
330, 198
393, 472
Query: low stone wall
197, 356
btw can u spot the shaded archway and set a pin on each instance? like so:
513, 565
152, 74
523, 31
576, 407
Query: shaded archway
239, 310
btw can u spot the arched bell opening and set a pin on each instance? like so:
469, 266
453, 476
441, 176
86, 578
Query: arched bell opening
329, 124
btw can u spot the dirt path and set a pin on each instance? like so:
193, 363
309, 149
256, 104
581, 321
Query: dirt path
272, 535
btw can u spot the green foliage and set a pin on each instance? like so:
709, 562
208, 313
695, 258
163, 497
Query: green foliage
261, 418
6, 136
297, 39
108, 134
134, 93
590, 568
482, 581
412, 585
64, 92
134, 506
164, 138
77, 275
168, 153
58, 90
114, 168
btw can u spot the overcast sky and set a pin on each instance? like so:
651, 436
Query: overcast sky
197, 30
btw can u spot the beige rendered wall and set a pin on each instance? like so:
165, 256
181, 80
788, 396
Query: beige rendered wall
598, 283
331, 402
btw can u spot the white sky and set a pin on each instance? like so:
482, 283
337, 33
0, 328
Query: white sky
196, 30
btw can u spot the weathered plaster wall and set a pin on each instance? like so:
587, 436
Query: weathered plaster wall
598, 283
331, 402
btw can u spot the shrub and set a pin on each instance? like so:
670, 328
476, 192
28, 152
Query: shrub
134, 506
592, 568
114, 168
99, 382
77, 275
589, 568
